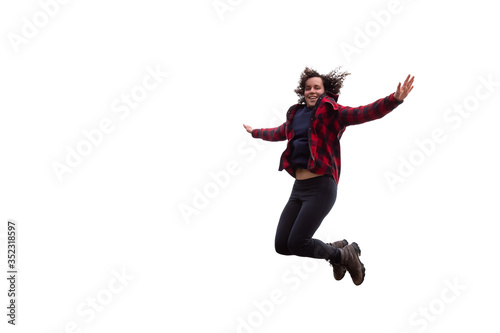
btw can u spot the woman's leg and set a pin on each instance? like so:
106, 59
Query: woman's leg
285, 224
310, 202
317, 197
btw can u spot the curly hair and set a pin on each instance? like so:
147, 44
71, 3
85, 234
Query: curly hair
332, 81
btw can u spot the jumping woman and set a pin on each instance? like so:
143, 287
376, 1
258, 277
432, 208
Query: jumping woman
313, 128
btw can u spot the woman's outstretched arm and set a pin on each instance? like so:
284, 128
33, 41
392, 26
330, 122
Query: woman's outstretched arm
268, 134
378, 109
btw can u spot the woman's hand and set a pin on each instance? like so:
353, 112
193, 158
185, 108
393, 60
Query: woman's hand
402, 92
248, 128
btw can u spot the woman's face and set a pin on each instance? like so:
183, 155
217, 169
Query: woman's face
313, 89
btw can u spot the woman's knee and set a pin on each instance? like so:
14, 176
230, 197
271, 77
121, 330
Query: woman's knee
281, 247
296, 246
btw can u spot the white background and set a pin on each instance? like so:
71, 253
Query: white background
119, 210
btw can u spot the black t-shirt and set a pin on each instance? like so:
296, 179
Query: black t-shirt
299, 143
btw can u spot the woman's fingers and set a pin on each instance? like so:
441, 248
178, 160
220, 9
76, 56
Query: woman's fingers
409, 82
248, 128
404, 90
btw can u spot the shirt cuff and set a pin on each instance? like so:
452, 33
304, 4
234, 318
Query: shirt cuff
392, 98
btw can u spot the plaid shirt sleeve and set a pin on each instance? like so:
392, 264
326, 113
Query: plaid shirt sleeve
362, 114
271, 134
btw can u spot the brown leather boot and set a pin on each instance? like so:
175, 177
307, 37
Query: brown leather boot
338, 270
349, 258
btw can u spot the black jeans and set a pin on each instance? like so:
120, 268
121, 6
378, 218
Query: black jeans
311, 200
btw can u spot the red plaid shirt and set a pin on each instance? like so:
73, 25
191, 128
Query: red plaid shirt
326, 126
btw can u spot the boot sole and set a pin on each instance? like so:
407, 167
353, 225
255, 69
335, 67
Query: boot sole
356, 247
358, 251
